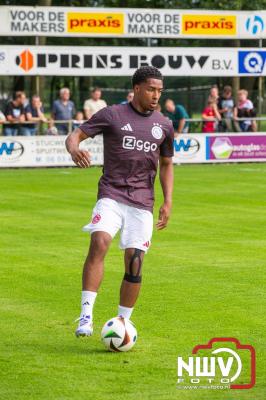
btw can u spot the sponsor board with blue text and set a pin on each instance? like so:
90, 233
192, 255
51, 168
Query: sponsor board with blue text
189, 149
43, 151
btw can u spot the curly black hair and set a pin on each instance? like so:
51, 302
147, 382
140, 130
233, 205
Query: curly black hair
144, 73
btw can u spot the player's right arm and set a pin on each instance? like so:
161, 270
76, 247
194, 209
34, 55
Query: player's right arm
80, 157
96, 125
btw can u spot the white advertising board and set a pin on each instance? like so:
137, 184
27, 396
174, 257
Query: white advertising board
43, 151
123, 61
50, 151
189, 149
126, 22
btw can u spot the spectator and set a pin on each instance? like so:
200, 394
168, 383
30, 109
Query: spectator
159, 108
244, 109
226, 109
63, 110
209, 115
178, 115
129, 98
214, 93
15, 113
79, 119
34, 113
2, 117
51, 129
94, 104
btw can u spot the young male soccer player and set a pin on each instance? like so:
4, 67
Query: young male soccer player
136, 137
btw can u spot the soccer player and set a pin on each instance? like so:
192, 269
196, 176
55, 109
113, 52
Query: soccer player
136, 138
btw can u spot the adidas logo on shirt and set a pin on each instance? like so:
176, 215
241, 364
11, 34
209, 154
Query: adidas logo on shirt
127, 127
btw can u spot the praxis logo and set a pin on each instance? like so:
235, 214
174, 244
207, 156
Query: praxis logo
251, 62
255, 25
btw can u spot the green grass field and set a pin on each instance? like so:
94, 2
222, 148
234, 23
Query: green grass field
203, 277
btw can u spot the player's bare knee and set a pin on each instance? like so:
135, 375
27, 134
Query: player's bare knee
133, 269
99, 243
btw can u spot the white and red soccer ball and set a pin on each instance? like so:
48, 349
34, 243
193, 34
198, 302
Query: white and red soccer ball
119, 334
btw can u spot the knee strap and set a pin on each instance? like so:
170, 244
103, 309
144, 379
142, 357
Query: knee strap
131, 277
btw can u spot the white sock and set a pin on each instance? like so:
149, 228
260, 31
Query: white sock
125, 312
87, 302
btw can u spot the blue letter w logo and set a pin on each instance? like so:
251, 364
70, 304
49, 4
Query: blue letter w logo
6, 147
182, 145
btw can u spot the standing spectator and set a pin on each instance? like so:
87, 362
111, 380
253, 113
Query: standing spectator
129, 98
226, 109
34, 113
64, 110
178, 115
209, 115
244, 109
214, 93
94, 104
15, 113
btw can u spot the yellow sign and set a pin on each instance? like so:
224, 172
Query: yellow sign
195, 24
95, 23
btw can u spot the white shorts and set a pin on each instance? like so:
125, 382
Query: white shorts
135, 225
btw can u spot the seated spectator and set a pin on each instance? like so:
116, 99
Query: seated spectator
94, 104
34, 113
51, 129
209, 115
178, 115
226, 109
244, 109
129, 98
15, 113
79, 118
63, 110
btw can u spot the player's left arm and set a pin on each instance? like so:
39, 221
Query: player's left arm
167, 183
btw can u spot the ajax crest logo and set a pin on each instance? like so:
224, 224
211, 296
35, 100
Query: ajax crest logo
96, 219
223, 363
157, 131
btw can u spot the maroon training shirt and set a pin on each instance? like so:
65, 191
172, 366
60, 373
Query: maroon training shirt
133, 143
